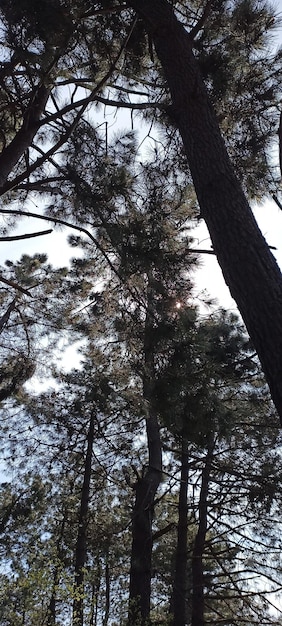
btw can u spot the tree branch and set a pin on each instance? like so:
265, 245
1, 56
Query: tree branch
19, 144
63, 139
14, 285
280, 143
6, 316
163, 531
81, 229
277, 201
196, 29
27, 235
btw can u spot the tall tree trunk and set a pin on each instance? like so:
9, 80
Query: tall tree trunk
179, 595
51, 614
142, 542
248, 267
95, 597
146, 488
81, 542
107, 593
198, 598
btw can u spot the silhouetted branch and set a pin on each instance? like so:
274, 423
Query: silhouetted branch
280, 143
27, 235
277, 201
14, 285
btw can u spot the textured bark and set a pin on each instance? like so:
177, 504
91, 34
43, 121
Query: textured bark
179, 596
198, 594
248, 266
10, 156
146, 488
81, 542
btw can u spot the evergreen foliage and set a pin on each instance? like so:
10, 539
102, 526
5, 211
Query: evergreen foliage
143, 480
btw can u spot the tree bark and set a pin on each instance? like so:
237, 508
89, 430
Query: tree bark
146, 488
198, 595
248, 266
179, 594
142, 541
81, 542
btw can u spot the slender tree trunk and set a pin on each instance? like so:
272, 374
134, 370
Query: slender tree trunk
51, 617
95, 598
146, 488
81, 542
142, 542
179, 595
92, 620
248, 267
51, 614
198, 598
107, 593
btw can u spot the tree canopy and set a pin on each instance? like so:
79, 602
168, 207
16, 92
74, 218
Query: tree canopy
143, 480
188, 71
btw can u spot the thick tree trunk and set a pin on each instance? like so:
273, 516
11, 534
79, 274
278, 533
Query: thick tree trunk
179, 595
198, 596
81, 542
248, 267
146, 488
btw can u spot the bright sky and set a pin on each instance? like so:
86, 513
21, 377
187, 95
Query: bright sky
208, 277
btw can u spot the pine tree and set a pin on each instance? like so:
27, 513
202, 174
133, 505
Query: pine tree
92, 47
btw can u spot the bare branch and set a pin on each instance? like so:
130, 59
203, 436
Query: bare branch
277, 201
130, 105
48, 218
27, 235
163, 531
196, 29
201, 251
